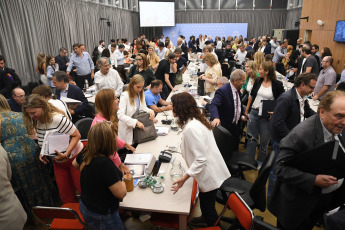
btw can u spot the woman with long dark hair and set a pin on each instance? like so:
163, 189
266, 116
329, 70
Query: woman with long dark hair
199, 149
266, 87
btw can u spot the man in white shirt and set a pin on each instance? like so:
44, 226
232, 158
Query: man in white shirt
240, 56
101, 46
107, 77
113, 59
126, 44
274, 44
112, 41
119, 55
161, 50
162, 38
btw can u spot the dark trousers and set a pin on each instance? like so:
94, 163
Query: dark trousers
165, 92
326, 202
208, 206
80, 80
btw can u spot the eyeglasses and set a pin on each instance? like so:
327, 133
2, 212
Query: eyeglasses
311, 87
139, 59
20, 96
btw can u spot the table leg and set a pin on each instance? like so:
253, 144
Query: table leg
182, 222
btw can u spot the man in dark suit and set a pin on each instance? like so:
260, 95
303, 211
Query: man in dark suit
62, 59
11, 76
298, 199
64, 89
183, 47
225, 108
292, 108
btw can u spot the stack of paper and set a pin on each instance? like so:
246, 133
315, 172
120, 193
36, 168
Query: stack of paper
162, 130
55, 141
140, 163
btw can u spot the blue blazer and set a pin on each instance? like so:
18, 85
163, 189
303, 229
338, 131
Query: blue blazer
222, 107
76, 93
287, 114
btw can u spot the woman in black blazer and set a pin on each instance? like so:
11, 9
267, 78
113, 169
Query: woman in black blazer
266, 87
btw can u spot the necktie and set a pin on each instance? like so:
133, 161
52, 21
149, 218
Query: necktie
237, 109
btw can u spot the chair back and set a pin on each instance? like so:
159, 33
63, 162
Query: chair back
258, 190
84, 125
242, 211
259, 224
42, 212
93, 109
194, 200
224, 141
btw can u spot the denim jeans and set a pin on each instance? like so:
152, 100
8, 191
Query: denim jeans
255, 126
272, 176
95, 221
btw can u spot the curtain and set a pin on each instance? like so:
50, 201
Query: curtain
28, 27
260, 22
293, 16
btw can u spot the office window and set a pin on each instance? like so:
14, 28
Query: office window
227, 4
245, 4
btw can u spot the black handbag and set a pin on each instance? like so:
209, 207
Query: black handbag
140, 135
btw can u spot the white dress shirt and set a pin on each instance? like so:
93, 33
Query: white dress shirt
113, 59
119, 57
111, 80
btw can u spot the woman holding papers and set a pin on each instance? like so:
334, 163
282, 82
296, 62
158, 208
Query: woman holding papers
199, 149
132, 101
101, 181
107, 105
43, 118
22, 151
266, 87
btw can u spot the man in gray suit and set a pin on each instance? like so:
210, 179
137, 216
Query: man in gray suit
298, 199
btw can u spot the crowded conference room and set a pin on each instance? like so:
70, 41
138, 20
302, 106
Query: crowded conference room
172, 114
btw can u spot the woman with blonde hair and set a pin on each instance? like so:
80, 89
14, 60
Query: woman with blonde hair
288, 54
28, 172
153, 59
132, 101
141, 67
41, 67
212, 74
101, 181
251, 74
40, 117
259, 57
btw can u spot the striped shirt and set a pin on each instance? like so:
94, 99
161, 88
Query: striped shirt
60, 124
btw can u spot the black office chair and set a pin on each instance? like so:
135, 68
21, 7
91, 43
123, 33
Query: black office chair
84, 125
260, 224
254, 194
236, 161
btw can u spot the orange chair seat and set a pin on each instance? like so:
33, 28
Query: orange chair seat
68, 223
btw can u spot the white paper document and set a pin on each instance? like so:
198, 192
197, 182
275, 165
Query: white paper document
138, 158
162, 130
332, 187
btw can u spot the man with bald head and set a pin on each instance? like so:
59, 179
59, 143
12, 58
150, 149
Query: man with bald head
17, 99
107, 77
184, 48
326, 80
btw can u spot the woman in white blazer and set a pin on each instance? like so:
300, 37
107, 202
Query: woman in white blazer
132, 101
199, 149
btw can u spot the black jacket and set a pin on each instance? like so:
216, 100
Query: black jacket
13, 77
287, 114
277, 88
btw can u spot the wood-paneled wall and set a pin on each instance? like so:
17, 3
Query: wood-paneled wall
330, 12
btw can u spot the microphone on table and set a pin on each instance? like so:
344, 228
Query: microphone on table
166, 121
